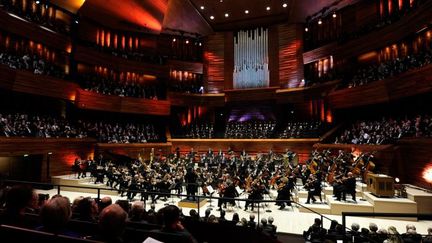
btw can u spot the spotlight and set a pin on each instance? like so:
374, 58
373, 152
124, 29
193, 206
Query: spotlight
306, 29
334, 15
76, 21
174, 40
26, 155
319, 21
226, 15
284, 5
187, 41
246, 11
49, 153
268, 8
202, 7
397, 180
200, 44
37, 2
212, 17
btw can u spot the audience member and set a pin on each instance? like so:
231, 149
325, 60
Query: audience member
172, 224
112, 223
250, 129
18, 198
55, 215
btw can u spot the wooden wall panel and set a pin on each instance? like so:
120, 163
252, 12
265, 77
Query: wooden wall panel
194, 67
208, 100
7, 77
290, 55
134, 150
64, 151
33, 32
273, 50
416, 157
229, 60
93, 57
27, 82
250, 94
94, 101
214, 67
408, 25
301, 146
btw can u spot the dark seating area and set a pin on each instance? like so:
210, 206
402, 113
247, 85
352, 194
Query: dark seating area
306, 129
386, 130
43, 126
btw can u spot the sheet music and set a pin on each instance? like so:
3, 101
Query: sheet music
210, 189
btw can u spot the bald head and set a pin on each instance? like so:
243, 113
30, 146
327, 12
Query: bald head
112, 221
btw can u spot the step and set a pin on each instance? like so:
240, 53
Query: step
321, 208
337, 207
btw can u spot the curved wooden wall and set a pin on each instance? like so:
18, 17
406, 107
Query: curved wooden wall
182, 99
94, 101
27, 82
93, 57
411, 83
33, 31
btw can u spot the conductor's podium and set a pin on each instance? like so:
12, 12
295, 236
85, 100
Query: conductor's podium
380, 185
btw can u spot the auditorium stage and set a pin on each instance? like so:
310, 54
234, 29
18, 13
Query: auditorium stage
294, 219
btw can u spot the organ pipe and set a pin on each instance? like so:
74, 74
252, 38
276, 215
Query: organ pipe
251, 59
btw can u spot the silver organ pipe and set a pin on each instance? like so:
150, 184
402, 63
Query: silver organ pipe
251, 59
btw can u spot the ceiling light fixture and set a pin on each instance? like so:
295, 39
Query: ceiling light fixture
319, 21
202, 7
334, 15
246, 11
306, 29
174, 40
187, 41
284, 5
37, 2
268, 8
212, 17
226, 15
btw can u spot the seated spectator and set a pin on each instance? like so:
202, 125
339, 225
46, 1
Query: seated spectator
315, 233
251, 223
270, 221
393, 236
206, 215
411, 235
86, 210
104, 202
222, 218
305, 129
55, 215
137, 212
235, 218
373, 234
18, 198
172, 224
112, 223
428, 237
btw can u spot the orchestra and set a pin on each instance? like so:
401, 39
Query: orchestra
232, 175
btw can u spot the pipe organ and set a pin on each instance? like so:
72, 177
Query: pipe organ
251, 59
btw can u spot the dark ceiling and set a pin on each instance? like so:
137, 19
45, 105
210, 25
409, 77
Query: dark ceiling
235, 14
187, 15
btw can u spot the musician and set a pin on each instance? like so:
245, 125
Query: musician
228, 193
76, 168
350, 187
313, 185
256, 193
191, 183
284, 192
99, 173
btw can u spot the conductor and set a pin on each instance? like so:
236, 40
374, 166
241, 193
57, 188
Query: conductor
191, 183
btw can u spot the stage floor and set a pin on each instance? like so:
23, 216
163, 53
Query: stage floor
290, 220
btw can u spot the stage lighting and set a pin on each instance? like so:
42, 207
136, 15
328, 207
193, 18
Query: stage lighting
319, 21
427, 174
397, 180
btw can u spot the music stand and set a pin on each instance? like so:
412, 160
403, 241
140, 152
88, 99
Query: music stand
172, 187
211, 191
239, 191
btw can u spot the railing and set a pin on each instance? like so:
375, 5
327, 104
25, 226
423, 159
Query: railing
152, 193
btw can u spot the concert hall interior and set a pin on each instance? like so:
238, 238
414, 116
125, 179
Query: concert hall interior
216, 121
